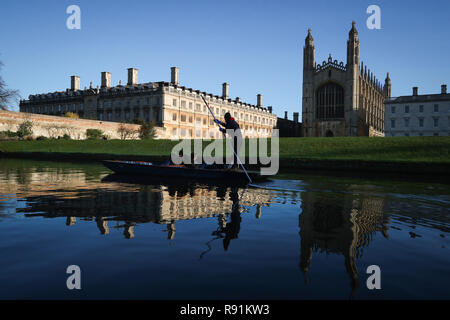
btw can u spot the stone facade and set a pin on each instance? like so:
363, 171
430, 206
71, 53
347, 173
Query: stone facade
419, 115
179, 111
338, 99
289, 128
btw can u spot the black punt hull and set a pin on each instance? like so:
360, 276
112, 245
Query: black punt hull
156, 171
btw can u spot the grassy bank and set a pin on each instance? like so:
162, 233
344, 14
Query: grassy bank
389, 149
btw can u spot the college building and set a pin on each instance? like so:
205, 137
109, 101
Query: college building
341, 99
419, 115
178, 110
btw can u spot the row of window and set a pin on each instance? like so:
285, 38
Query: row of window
127, 115
203, 134
199, 121
421, 122
73, 107
421, 108
137, 102
420, 134
216, 110
54, 108
183, 118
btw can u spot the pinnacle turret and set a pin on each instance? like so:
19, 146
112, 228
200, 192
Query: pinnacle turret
309, 40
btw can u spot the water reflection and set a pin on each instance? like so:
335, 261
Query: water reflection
339, 224
128, 202
334, 217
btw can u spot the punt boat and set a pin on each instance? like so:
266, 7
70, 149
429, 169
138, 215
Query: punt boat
148, 169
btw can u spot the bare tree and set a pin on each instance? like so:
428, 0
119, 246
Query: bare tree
6, 95
126, 132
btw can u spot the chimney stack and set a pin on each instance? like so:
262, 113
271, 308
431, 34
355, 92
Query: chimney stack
106, 79
259, 100
75, 83
444, 89
238, 99
285, 115
295, 117
175, 73
132, 76
225, 90
270, 109
415, 90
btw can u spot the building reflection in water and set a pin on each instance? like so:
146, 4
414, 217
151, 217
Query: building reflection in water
127, 203
341, 224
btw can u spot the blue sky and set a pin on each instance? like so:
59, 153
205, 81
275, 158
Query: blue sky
256, 46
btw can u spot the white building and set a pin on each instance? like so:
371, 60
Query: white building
418, 115
178, 111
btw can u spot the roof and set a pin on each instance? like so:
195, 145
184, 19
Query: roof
420, 98
128, 89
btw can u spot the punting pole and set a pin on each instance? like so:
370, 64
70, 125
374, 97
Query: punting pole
237, 157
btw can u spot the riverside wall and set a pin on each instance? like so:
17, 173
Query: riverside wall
55, 126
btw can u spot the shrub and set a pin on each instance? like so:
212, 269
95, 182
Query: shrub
94, 134
25, 129
147, 130
42, 138
5, 135
71, 115
8, 134
138, 121
66, 137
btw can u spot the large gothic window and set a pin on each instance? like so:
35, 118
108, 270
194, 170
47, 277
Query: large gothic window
330, 102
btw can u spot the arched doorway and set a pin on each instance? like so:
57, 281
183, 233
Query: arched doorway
329, 133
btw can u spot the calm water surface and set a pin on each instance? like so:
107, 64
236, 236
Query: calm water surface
147, 239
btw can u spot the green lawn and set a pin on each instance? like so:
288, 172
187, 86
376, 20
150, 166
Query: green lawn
410, 149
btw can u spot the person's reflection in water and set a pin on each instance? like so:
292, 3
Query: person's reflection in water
221, 192
233, 227
352, 270
102, 225
128, 230
179, 190
171, 230
258, 212
70, 221
222, 220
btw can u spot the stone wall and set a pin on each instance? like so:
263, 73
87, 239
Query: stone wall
330, 128
54, 126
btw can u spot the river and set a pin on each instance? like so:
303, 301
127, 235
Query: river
151, 240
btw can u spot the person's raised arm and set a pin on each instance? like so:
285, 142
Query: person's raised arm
223, 124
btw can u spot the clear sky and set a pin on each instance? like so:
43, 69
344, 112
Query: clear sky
255, 46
